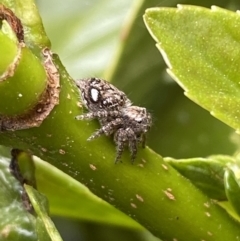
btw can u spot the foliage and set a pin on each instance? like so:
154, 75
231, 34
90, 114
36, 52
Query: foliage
193, 41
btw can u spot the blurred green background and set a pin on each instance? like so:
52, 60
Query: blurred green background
108, 39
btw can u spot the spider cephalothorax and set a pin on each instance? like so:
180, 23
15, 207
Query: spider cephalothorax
115, 113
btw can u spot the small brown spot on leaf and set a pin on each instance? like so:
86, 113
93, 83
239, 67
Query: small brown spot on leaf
143, 160
93, 167
208, 214
44, 149
62, 152
79, 104
165, 167
139, 198
169, 194
133, 205
207, 205
6, 231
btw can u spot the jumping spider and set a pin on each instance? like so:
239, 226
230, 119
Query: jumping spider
115, 113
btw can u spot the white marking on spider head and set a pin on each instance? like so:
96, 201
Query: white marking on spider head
94, 94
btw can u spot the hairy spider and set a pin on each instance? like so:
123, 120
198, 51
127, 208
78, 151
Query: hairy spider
115, 113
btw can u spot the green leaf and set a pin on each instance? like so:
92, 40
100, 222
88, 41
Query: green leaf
16, 223
181, 128
201, 48
45, 226
232, 189
205, 173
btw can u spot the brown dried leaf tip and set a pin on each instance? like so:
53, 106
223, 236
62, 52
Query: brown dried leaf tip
47, 101
13, 21
15, 170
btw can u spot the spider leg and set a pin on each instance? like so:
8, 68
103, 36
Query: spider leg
92, 115
132, 143
107, 129
143, 140
120, 140
98, 114
87, 116
96, 134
